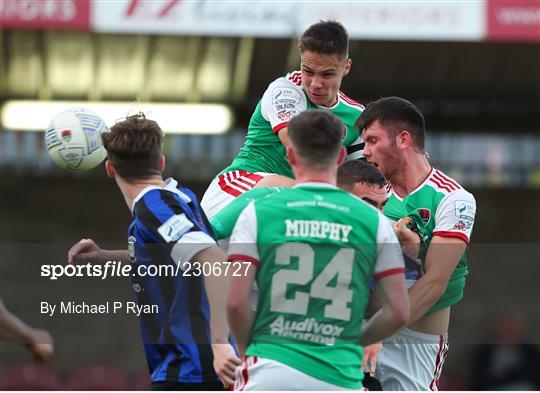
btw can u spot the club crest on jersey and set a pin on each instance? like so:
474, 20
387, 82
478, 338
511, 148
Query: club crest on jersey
66, 135
425, 215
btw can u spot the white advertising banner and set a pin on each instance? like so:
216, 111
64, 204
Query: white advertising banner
403, 20
195, 17
398, 19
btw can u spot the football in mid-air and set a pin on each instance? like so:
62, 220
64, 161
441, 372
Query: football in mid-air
73, 139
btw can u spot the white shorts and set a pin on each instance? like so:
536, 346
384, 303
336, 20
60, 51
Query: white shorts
265, 374
227, 186
411, 360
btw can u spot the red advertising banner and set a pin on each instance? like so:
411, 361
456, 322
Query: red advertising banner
513, 20
39, 14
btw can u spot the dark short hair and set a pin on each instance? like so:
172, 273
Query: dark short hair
134, 147
316, 135
396, 114
358, 171
325, 37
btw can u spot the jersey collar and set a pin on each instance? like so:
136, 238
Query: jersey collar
170, 185
314, 184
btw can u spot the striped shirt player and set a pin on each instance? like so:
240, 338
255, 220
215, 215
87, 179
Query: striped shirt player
440, 207
169, 227
263, 153
314, 247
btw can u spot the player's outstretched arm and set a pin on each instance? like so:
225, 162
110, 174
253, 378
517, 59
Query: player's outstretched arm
39, 342
442, 258
225, 359
394, 313
86, 250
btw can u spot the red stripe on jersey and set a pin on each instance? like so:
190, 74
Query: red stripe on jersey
452, 186
223, 183
244, 182
349, 100
277, 128
389, 272
243, 258
233, 181
440, 185
296, 78
447, 179
253, 176
459, 235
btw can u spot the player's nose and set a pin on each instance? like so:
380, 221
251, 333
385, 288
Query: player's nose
316, 82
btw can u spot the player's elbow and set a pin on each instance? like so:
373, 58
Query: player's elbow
402, 313
438, 287
235, 307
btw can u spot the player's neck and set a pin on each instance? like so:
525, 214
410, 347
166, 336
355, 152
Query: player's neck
130, 190
309, 176
413, 172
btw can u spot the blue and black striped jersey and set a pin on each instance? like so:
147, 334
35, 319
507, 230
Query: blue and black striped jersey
168, 228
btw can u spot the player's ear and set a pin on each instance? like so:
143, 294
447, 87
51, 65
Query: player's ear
347, 68
162, 163
342, 155
404, 139
109, 168
291, 155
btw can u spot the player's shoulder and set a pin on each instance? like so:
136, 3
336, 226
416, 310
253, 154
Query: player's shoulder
349, 102
159, 202
291, 81
448, 188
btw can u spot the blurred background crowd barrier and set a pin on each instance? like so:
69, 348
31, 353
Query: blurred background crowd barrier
200, 67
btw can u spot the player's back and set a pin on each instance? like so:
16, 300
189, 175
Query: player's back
318, 248
176, 336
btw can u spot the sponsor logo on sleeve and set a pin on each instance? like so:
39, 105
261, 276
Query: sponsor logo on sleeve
286, 114
465, 210
175, 227
283, 95
463, 225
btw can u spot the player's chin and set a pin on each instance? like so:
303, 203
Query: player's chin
319, 99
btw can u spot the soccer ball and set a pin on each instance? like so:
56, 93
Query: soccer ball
73, 139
